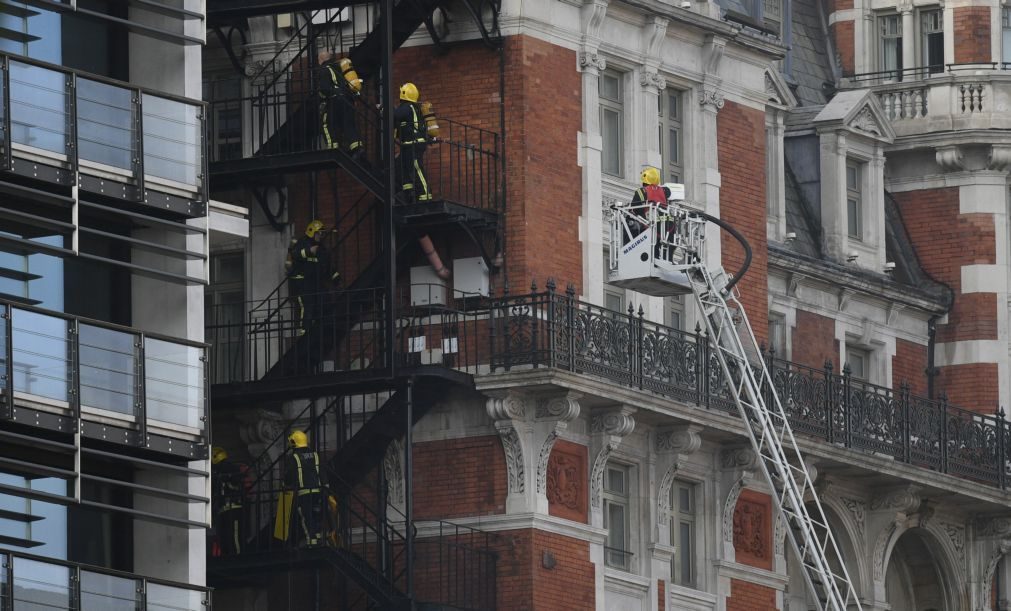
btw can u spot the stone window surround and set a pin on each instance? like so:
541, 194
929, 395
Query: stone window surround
866, 33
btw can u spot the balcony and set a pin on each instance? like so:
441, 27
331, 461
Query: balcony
32, 582
108, 382
959, 97
520, 337
127, 143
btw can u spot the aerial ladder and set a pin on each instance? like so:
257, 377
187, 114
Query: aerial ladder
658, 248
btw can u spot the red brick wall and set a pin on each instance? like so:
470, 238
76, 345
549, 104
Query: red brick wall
459, 477
909, 365
972, 34
741, 142
753, 529
745, 596
525, 584
567, 481
814, 341
842, 35
661, 595
946, 240
839, 5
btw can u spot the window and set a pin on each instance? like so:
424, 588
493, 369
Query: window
890, 44
616, 516
614, 300
682, 532
777, 335
224, 311
932, 40
671, 129
854, 221
859, 362
611, 120
676, 312
1005, 24
224, 98
772, 14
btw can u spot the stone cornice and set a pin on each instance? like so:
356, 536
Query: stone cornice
762, 577
862, 281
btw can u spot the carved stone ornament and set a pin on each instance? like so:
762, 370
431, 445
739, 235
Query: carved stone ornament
996, 526
711, 98
956, 534
392, 466
681, 440
564, 481
652, 79
880, 546
614, 422
728, 509
949, 158
562, 407
508, 406
1000, 158
857, 508
865, 122
542, 461
779, 536
597, 473
904, 500
738, 458
1000, 550
663, 494
514, 459
591, 61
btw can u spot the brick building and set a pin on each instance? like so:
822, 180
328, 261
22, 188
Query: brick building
525, 435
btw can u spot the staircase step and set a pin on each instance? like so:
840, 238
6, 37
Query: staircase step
19, 516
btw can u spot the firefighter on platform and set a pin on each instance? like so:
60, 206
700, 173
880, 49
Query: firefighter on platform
303, 478
339, 89
652, 192
230, 482
308, 264
411, 133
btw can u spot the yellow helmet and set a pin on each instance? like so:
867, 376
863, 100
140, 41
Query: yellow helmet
650, 176
409, 92
297, 439
218, 454
314, 227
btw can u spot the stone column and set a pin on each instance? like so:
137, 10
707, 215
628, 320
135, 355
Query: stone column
591, 223
908, 36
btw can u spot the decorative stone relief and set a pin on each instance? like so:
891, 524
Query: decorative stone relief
681, 440
712, 55
562, 407
654, 33
610, 426
514, 459
1002, 548
857, 508
738, 458
779, 536
508, 406
949, 158
880, 546
712, 99
749, 529
956, 534
567, 481
652, 79
589, 60
663, 493
597, 474
866, 122
905, 500
993, 526
616, 422
728, 508
392, 466
542, 461
1000, 158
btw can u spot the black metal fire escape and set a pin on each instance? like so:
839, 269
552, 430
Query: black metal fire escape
357, 367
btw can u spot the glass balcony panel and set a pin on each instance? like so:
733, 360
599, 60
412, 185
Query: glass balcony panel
41, 355
105, 124
172, 140
174, 378
109, 363
107, 593
168, 598
39, 102
3, 352
40, 587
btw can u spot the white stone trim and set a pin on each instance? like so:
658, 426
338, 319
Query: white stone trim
848, 14
982, 278
970, 352
523, 521
751, 574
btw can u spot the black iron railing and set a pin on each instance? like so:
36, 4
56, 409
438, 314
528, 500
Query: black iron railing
97, 371
28, 581
549, 329
921, 72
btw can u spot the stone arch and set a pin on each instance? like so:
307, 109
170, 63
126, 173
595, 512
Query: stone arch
847, 534
921, 569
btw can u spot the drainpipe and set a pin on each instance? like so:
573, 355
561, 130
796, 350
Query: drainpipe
931, 341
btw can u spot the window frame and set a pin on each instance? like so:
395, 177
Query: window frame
677, 517
665, 125
222, 146
882, 35
854, 194
1005, 36
866, 355
775, 23
923, 42
618, 558
675, 312
614, 105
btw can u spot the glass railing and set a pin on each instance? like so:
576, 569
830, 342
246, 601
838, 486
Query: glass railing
28, 582
99, 371
102, 127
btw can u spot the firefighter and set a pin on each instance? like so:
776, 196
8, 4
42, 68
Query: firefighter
230, 481
308, 263
339, 89
652, 192
302, 477
411, 130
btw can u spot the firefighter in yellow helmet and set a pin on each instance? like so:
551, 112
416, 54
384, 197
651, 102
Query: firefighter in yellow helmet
309, 266
410, 128
303, 477
339, 90
653, 192
230, 484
